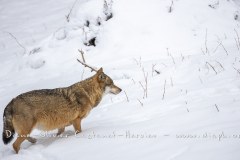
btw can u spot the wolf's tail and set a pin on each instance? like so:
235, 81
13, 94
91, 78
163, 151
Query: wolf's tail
8, 129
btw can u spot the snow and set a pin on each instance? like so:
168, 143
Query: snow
192, 107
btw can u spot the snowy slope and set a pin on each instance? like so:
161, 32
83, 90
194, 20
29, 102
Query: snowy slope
190, 56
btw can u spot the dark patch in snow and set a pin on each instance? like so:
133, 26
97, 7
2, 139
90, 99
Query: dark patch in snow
91, 42
35, 50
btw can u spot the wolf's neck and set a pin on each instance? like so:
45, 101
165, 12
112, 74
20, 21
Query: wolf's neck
92, 89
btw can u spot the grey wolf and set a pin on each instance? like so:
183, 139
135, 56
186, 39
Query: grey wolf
49, 109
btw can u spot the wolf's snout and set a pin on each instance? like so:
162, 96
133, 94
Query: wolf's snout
115, 90
120, 90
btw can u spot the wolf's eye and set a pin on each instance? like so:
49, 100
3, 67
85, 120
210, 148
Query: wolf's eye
109, 82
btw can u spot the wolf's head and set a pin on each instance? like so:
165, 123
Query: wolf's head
107, 83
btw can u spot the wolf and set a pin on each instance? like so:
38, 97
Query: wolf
49, 109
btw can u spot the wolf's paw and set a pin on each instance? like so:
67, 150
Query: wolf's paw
32, 140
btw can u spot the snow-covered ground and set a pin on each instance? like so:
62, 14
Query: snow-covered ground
189, 54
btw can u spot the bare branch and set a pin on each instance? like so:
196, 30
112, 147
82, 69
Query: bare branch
140, 102
172, 59
146, 82
182, 57
68, 16
221, 44
169, 54
144, 89
238, 70
223, 48
206, 48
170, 8
211, 67
164, 89
17, 41
158, 72
217, 107
145, 86
153, 66
82, 75
171, 81
133, 81
237, 40
216, 48
138, 62
83, 63
236, 43
220, 65
81, 51
200, 79
126, 96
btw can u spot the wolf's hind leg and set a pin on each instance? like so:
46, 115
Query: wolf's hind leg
31, 139
60, 131
17, 143
23, 127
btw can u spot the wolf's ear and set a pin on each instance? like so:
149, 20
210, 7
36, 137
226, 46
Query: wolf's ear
100, 71
101, 77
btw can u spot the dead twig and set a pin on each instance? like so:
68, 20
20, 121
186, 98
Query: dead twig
215, 50
237, 39
158, 72
171, 81
153, 66
82, 75
145, 86
126, 96
81, 51
70, 12
170, 8
200, 79
164, 89
154, 70
182, 57
17, 42
202, 51
221, 44
84, 64
236, 43
206, 48
238, 70
214, 5
144, 90
169, 54
217, 107
138, 62
140, 102
220, 65
223, 48
172, 59
133, 81
207, 63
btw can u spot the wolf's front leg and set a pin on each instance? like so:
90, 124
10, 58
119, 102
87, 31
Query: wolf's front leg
77, 125
60, 131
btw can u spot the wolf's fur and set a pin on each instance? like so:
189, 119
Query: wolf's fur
50, 109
